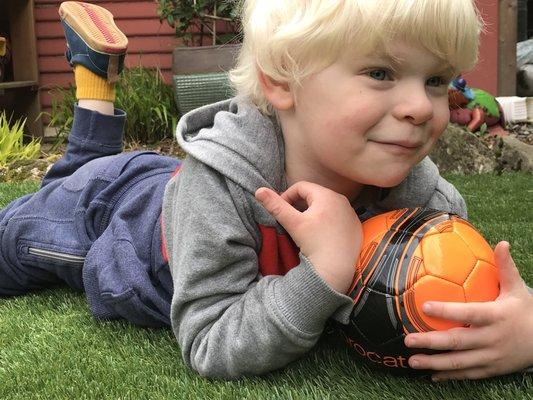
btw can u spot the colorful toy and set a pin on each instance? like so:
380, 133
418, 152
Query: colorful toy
408, 257
473, 107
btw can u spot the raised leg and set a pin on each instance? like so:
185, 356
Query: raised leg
96, 49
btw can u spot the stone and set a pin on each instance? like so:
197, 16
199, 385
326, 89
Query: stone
463, 152
514, 155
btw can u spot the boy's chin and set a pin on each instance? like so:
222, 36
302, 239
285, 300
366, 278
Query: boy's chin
390, 180
394, 174
388, 183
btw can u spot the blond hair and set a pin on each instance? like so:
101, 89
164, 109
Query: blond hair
289, 40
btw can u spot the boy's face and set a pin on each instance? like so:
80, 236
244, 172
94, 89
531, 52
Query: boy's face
367, 119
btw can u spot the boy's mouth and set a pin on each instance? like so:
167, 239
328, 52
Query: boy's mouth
398, 146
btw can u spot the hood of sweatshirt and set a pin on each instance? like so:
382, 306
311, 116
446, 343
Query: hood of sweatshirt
235, 139
239, 142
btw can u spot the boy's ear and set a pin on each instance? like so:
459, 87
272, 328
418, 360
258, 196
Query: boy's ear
279, 94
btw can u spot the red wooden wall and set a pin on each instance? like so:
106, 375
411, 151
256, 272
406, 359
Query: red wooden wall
485, 75
150, 43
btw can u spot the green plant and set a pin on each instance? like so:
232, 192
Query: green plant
62, 112
150, 104
483, 129
201, 16
12, 147
142, 93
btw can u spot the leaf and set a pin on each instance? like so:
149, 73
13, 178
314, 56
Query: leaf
11, 141
170, 20
483, 129
221, 8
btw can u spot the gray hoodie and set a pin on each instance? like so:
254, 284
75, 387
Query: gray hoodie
245, 300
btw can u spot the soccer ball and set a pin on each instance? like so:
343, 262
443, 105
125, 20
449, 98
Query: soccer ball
408, 257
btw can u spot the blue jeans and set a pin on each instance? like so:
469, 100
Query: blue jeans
94, 224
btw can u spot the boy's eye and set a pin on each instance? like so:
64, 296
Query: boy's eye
436, 81
378, 74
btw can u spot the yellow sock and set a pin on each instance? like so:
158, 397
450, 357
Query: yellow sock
91, 86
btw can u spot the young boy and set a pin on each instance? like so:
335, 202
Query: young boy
339, 103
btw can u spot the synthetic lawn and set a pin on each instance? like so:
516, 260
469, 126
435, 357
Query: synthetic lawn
51, 347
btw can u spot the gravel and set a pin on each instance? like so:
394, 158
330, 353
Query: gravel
522, 131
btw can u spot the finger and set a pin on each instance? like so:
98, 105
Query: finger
451, 361
301, 191
469, 373
452, 339
468, 313
508, 273
284, 213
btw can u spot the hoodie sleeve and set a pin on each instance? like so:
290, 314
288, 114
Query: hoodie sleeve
229, 321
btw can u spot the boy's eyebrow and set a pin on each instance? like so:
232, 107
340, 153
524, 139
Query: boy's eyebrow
395, 63
385, 58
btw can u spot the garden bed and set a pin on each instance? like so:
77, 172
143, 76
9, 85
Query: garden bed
453, 153
35, 170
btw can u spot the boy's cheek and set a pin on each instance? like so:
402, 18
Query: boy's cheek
442, 128
442, 119
433, 141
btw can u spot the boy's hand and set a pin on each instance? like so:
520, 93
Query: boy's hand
327, 231
499, 339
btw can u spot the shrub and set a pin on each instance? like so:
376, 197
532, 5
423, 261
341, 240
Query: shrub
202, 16
150, 104
12, 147
142, 93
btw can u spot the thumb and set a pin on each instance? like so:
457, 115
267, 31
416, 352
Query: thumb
510, 279
279, 208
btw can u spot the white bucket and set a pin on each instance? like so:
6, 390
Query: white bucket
517, 109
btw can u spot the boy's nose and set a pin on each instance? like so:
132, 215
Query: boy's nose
415, 106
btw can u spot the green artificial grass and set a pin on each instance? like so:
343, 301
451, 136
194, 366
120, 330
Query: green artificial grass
51, 347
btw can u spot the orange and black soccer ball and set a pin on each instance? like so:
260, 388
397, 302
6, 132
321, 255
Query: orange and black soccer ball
408, 257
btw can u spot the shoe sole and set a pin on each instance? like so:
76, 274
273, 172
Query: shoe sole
95, 25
